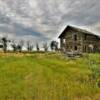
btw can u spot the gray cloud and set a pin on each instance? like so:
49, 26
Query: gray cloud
44, 19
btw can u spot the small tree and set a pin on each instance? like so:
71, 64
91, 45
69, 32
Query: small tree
4, 41
20, 45
29, 46
37, 47
45, 46
54, 45
14, 46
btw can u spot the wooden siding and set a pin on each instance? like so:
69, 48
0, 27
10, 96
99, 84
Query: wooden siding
81, 44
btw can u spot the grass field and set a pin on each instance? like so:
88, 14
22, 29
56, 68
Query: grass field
49, 76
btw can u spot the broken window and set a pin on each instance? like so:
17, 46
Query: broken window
75, 48
75, 37
64, 41
85, 37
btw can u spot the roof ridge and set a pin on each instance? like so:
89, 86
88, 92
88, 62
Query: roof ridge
79, 29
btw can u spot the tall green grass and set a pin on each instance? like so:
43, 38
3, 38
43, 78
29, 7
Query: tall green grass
49, 76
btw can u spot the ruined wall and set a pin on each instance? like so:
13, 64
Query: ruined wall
91, 42
70, 43
83, 43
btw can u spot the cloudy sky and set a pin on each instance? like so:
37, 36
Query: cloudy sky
43, 20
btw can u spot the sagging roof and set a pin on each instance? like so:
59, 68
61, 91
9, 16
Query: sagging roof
76, 29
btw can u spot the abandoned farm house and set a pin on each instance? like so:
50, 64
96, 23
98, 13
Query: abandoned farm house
74, 39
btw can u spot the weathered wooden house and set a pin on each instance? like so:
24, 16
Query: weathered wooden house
74, 39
